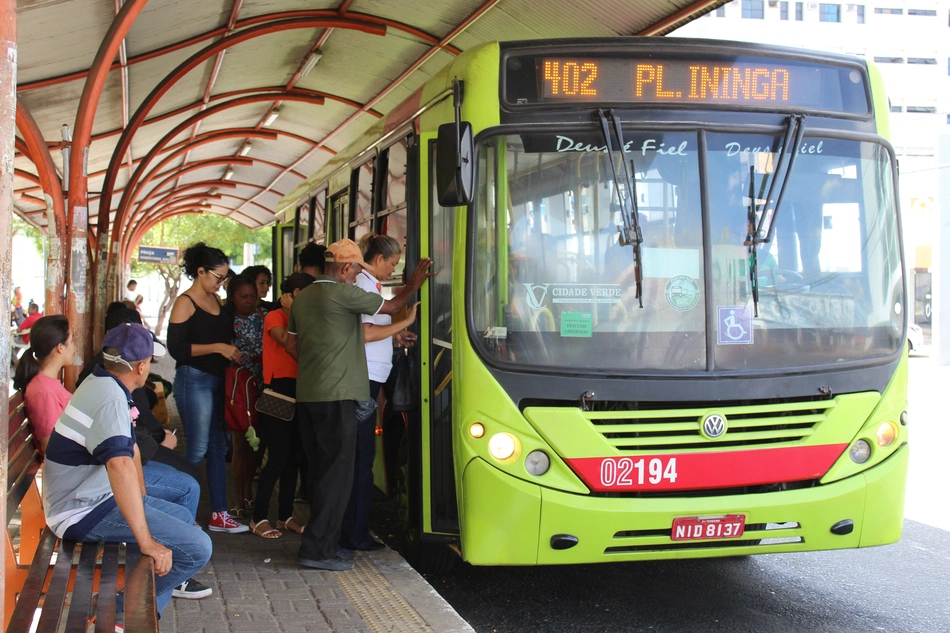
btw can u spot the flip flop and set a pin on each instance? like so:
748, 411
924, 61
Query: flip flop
269, 533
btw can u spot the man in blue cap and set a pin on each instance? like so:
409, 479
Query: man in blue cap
94, 488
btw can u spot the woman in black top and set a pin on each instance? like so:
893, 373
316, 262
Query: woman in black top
199, 339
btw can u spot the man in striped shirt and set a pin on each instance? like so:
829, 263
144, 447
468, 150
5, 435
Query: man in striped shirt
94, 488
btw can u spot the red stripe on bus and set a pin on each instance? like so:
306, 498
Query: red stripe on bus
697, 471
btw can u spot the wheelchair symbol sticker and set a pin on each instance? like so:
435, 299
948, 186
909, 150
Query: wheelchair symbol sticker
735, 325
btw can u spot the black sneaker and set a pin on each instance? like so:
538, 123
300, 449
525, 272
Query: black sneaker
330, 564
191, 589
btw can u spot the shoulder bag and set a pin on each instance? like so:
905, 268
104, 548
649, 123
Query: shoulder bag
277, 405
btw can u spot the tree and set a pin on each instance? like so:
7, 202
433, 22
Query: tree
182, 231
22, 227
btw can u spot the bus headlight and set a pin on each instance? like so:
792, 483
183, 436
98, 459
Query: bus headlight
537, 463
860, 452
477, 430
886, 434
502, 446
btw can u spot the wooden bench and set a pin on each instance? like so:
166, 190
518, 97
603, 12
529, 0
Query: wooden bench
71, 583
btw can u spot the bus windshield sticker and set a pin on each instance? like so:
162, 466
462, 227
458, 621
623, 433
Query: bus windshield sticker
682, 293
577, 324
640, 144
734, 325
538, 295
568, 144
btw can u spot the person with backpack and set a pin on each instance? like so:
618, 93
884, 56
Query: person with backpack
243, 382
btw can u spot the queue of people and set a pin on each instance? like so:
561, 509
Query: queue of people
112, 471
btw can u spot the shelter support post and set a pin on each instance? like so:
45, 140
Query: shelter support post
82, 290
8, 60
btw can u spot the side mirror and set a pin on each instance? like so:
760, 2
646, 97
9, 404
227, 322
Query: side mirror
455, 168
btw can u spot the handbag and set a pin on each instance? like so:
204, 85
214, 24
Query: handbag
277, 405
241, 396
403, 396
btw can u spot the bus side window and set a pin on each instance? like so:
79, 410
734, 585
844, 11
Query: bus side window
318, 213
361, 205
393, 217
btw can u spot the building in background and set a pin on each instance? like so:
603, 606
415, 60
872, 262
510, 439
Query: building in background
909, 41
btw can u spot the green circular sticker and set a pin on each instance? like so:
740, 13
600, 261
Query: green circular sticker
682, 293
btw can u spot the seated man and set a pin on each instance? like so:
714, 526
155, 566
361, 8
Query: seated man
94, 488
21, 338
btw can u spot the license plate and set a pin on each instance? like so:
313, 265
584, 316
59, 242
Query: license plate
708, 528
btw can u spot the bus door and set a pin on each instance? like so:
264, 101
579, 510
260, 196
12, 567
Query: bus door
444, 508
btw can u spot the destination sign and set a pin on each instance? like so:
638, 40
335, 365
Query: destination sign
738, 81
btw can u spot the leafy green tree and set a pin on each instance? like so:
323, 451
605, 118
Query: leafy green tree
22, 227
184, 230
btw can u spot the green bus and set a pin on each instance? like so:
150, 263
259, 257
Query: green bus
670, 313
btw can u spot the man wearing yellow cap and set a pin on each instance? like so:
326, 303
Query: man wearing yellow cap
327, 335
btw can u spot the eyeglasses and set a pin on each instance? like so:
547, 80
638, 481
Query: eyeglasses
220, 278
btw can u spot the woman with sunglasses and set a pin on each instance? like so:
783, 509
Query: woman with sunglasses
199, 339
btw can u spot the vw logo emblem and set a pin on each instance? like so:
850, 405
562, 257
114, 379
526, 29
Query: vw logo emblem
714, 426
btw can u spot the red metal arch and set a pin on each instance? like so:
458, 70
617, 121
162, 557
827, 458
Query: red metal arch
160, 215
37, 151
79, 294
150, 214
133, 186
172, 174
218, 97
208, 137
240, 24
152, 174
34, 147
25, 175
104, 266
189, 64
22, 147
201, 139
170, 195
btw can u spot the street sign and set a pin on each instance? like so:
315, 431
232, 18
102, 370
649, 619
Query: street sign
157, 255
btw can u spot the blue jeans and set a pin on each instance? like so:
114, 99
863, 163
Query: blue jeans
170, 525
164, 482
200, 399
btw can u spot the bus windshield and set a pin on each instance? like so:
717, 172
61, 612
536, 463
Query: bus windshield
553, 287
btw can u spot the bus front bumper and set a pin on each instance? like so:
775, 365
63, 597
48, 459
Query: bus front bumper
508, 521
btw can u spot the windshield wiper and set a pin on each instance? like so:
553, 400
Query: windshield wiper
766, 225
753, 245
761, 232
630, 233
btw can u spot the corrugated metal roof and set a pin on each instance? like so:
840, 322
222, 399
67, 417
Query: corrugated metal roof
58, 41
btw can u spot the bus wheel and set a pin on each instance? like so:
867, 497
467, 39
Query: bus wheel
425, 557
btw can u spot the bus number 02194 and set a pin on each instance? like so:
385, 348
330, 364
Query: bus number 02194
627, 471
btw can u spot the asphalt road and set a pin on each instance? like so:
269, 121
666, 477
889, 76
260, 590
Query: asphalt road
901, 588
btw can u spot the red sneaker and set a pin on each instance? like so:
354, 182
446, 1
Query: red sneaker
222, 522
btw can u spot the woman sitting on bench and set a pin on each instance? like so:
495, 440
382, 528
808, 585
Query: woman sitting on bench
37, 375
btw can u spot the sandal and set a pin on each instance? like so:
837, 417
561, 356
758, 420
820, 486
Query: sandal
237, 512
291, 525
264, 530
